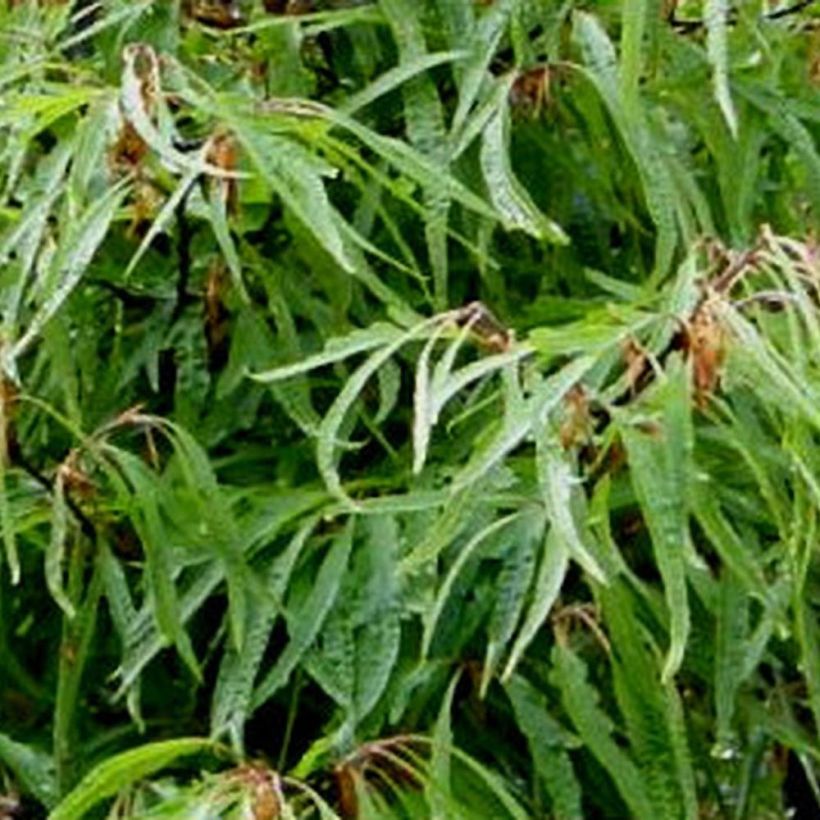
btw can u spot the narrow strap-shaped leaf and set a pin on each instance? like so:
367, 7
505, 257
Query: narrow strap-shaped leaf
454, 519
33, 768
71, 260
234, 687
332, 422
808, 638
6, 518
299, 184
547, 741
561, 502
55, 554
305, 625
218, 214
551, 573
661, 472
729, 545
681, 751
439, 789
580, 700
217, 516
395, 77
512, 588
423, 403
468, 551
782, 118
520, 420
120, 771
336, 350
424, 121
511, 199
633, 28
730, 657
408, 160
716, 13
637, 132
486, 35
643, 702
148, 523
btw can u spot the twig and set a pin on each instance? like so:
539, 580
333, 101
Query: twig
184, 237
87, 526
690, 26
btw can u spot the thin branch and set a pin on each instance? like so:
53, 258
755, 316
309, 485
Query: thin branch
691, 26
87, 526
793, 9
184, 237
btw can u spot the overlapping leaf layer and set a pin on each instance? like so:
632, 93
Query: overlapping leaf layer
409, 408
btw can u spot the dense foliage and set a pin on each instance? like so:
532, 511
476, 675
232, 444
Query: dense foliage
409, 408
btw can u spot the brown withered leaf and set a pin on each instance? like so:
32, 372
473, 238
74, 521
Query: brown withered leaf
221, 14
345, 775
8, 411
577, 424
291, 7
706, 346
147, 201
487, 330
129, 150
814, 58
530, 91
75, 479
637, 362
216, 316
223, 153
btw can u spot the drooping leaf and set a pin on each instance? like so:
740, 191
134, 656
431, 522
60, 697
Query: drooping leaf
518, 211
661, 472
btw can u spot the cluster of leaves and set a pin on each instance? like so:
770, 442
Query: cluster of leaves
409, 408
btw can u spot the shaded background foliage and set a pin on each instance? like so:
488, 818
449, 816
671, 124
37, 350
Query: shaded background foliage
417, 397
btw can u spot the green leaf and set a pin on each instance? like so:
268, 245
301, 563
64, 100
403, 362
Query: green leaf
660, 464
32, 767
656, 743
55, 554
716, 14
730, 657
120, 771
565, 506
395, 77
336, 350
70, 261
547, 741
470, 550
519, 420
297, 178
439, 789
483, 43
514, 582
633, 29
332, 422
231, 702
513, 202
551, 574
148, 524
6, 517
580, 700
304, 625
